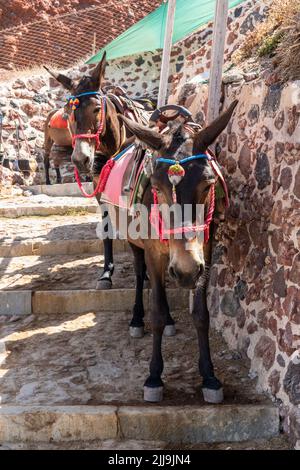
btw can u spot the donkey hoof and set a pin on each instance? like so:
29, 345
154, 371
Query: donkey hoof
103, 284
153, 394
213, 396
170, 330
136, 331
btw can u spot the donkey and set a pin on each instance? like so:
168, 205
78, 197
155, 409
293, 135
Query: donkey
188, 264
97, 135
56, 137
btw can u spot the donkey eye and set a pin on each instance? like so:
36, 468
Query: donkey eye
97, 109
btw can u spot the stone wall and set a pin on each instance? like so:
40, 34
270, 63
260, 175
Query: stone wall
254, 295
33, 96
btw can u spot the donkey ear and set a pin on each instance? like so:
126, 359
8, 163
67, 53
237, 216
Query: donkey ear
65, 81
150, 137
206, 136
98, 72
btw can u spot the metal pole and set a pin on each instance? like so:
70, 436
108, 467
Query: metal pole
94, 44
217, 60
165, 65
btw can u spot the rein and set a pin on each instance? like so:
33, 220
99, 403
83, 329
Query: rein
156, 219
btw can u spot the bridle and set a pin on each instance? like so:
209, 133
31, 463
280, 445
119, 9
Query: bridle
156, 219
74, 101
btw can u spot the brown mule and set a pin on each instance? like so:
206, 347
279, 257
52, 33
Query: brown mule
187, 263
89, 155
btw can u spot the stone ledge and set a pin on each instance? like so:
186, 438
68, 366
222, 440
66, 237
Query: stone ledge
64, 423
81, 301
191, 425
18, 302
39, 210
58, 247
15, 303
59, 190
177, 424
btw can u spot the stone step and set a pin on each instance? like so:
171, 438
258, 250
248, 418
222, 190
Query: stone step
52, 235
58, 247
59, 190
42, 205
80, 301
172, 424
274, 443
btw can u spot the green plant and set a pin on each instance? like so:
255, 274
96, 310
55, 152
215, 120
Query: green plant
270, 44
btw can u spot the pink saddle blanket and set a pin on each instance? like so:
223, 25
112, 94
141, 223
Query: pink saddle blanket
114, 192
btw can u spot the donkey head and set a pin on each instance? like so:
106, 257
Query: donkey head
186, 262
86, 103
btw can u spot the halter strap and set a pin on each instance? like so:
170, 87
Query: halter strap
172, 161
86, 93
97, 135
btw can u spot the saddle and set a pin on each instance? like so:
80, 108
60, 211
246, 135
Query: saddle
59, 120
138, 109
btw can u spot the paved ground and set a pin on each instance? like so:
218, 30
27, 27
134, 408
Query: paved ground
62, 272
91, 359
72, 227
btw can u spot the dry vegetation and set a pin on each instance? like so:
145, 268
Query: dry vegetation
278, 36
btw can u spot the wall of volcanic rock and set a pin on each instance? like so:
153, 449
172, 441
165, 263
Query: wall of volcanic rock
254, 295
33, 97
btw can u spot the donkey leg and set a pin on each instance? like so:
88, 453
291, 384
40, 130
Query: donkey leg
211, 386
153, 387
58, 175
105, 281
136, 326
47, 167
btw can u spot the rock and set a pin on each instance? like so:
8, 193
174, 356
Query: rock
296, 189
252, 328
285, 339
249, 76
280, 360
293, 115
272, 100
274, 381
253, 114
286, 178
291, 381
232, 78
279, 151
250, 21
286, 252
279, 120
291, 304
279, 284
241, 289
262, 170
265, 349
294, 274
230, 304
244, 161
238, 250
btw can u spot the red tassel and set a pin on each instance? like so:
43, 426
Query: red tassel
104, 175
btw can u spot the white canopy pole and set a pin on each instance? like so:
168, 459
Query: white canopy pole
165, 65
217, 60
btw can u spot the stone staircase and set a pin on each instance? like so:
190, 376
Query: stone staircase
70, 373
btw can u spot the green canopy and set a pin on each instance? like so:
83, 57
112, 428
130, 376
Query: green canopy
148, 34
